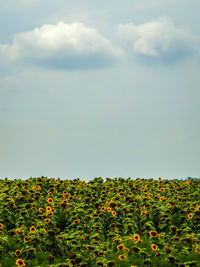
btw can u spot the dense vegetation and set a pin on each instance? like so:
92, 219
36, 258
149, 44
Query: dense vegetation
116, 222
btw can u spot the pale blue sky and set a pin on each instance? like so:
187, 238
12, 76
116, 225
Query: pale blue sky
106, 89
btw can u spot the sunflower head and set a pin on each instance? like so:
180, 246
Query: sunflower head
122, 257
32, 229
20, 262
154, 247
17, 252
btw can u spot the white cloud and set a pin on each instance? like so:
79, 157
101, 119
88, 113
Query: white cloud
62, 46
158, 39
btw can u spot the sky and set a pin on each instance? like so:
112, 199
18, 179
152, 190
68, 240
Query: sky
99, 89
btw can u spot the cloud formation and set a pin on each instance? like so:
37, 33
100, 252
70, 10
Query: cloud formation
158, 40
62, 46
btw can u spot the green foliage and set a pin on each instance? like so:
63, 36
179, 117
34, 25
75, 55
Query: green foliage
50, 222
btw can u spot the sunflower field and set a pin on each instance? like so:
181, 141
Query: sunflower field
113, 222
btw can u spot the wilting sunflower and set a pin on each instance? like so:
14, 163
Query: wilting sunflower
154, 247
122, 257
17, 252
20, 262
168, 250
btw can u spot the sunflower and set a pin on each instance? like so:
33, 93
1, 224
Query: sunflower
31, 250
136, 237
109, 209
154, 247
38, 187
107, 203
171, 259
32, 229
114, 213
41, 210
50, 200
117, 240
1, 225
47, 220
103, 208
50, 194
136, 249
190, 215
168, 250
120, 247
76, 221
122, 257
20, 262
153, 233
17, 252
48, 208
168, 205
17, 231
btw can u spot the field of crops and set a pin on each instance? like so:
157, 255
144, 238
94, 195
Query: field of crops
116, 222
